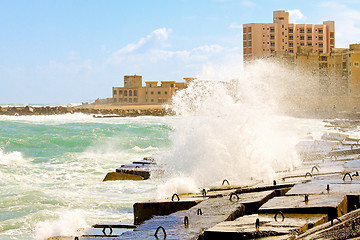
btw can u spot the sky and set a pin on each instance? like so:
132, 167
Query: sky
65, 51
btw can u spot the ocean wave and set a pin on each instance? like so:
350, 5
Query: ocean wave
147, 149
12, 158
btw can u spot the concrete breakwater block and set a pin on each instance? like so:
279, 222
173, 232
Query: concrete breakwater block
146, 210
113, 176
333, 204
245, 227
204, 215
320, 187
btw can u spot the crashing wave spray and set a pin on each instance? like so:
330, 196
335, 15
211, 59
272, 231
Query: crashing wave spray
228, 130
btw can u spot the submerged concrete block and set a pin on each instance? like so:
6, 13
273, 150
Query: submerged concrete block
245, 227
113, 176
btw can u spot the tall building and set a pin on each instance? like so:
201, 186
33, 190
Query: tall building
263, 39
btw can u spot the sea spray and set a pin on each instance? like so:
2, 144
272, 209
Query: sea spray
229, 130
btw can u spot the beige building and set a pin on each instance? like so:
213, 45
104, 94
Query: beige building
263, 39
133, 93
337, 73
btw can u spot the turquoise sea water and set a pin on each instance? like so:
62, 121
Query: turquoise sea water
52, 167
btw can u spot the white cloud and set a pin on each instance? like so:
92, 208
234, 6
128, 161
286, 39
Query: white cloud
347, 27
295, 16
158, 35
235, 26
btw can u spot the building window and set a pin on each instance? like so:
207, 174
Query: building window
159, 101
291, 44
309, 30
172, 85
115, 92
309, 44
272, 30
165, 93
135, 92
291, 37
152, 100
321, 38
130, 92
272, 44
120, 92
125, 99
120, 99
292, 51
135, 99
130, 99
291, 30
301, 30
115, 99
309, 37
301, 37
152, 93
272, 37
125, 92
320, 45
159, 93
244, 44
320, 31
302, 44
149, 85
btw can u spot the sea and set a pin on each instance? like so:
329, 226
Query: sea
52, 167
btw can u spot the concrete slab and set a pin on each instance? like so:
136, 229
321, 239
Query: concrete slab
245, 228
213, 210
320, 187
113, 176
332, 204
146, 210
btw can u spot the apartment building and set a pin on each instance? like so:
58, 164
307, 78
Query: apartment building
337, 73
133, 93
263, 39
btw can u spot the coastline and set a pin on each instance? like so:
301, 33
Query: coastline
118, 111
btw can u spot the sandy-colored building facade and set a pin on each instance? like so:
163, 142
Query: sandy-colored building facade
263, 39
133, 93
337, 73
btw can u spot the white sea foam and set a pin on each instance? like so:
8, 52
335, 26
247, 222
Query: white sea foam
147, 149
12, 158
68, 224
228, 130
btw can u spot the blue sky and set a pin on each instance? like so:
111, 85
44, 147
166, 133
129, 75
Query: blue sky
65, 51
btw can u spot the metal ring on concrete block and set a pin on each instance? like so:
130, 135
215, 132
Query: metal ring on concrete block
327, 187
257, 224
225, 180
234, 194
157, 230
186, 221
172, 198
104, 230
279, 212
76, 238
199, 212
356, 174
203, 192
347, 174
314, 167
332, 221
274, 182
306, 198
308, 174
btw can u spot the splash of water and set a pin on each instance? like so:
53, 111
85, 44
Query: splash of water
229, 130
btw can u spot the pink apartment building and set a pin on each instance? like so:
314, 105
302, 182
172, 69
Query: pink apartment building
262, 39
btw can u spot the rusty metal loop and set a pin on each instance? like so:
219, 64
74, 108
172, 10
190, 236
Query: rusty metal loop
157, 230
76, 238
332, 221
314, 167
234, 194
274, 182
199, 212
203, 192
356, 174
257, 224
308, 174
328, 187
279, 212
225, 180
347, 174
186, 221
104, 230
175, 195
137, 167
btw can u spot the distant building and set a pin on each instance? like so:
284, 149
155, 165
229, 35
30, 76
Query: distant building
133, 93
337, 72
263, 39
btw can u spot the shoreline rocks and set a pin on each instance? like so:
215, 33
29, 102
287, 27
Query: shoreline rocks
59, 110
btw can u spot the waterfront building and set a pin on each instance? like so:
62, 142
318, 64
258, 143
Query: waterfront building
263, 39
337, 72
133, 93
